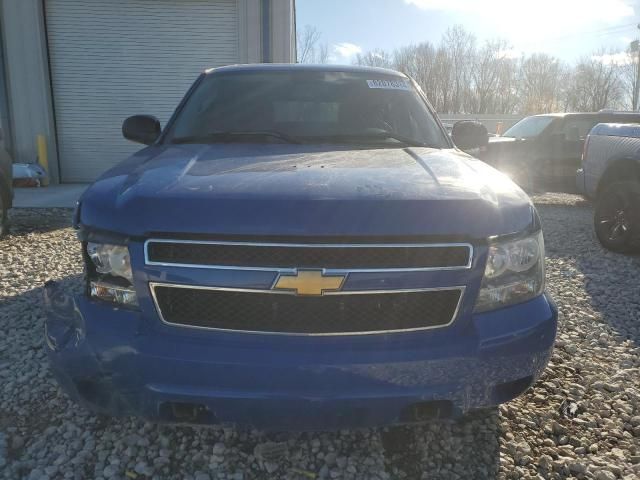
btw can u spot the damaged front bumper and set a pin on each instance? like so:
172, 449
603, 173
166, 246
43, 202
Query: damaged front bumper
121, 362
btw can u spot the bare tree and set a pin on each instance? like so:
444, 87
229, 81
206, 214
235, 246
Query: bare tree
323, 54
486, 74
306, 43
405, 59
507, 98
460, 77
566, 92
596, 83
629, 75
374, 58
539, 83
416, 61
458, 46
443, 80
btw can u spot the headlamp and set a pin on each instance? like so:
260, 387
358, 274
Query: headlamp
514, 273
114, 282
111, 259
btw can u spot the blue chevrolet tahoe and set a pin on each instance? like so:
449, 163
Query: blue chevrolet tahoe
302, 247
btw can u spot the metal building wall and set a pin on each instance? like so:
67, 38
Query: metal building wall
5, 136
111, 60
283, 31
27, 80
29, 105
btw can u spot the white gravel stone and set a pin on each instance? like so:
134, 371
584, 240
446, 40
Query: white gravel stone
596, 365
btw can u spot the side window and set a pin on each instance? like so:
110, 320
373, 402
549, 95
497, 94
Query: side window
577, 129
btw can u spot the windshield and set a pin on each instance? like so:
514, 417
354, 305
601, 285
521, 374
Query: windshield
528, 127
306, 107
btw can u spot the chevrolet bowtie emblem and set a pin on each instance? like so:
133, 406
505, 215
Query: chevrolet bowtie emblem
309, 282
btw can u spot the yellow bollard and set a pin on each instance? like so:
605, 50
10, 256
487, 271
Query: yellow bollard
43, 158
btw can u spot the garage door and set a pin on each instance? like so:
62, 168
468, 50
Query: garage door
111, 59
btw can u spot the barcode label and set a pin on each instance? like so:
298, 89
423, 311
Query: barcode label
389, 84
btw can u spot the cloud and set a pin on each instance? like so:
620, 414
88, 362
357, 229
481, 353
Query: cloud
620, 58
344, 51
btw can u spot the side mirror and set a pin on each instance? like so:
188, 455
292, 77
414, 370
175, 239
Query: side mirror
141, 129
468, 134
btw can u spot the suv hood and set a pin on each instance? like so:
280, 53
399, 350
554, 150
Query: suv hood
304, 191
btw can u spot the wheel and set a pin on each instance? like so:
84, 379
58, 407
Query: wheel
617, 217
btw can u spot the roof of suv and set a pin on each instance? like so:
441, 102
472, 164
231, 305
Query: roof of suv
631, 130
296, 67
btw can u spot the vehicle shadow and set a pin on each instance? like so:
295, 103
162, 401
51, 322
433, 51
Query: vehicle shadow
465, 448
25, 221
610, 280
31, 401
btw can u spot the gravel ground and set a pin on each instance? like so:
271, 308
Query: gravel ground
581, 420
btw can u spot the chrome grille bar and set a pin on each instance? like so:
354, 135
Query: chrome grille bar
384, 247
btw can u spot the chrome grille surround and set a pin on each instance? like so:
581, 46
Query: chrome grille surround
460, 289
277, 271
463, 266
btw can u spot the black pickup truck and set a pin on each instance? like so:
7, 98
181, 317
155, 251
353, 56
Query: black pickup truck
543, 152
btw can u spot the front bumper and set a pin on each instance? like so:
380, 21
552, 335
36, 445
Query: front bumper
113, 362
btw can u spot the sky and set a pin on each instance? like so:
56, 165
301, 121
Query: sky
567, 29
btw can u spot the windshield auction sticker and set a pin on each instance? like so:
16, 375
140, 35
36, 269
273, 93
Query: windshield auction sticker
389, 84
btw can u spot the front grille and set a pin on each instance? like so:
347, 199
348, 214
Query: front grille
309, 256
290, 314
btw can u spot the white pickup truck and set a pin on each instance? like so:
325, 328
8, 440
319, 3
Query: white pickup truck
610, 175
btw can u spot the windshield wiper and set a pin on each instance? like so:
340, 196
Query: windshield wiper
231, 136
382, 135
